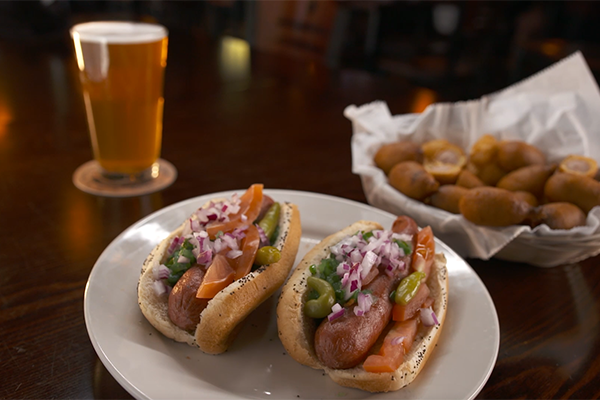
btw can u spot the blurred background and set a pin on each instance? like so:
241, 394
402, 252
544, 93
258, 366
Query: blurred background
460, 50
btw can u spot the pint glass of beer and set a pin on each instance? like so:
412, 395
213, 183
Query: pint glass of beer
121, 68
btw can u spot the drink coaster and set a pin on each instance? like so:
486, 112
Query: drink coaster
88, 178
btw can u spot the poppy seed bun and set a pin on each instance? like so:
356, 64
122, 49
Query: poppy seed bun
297, 331
222, 318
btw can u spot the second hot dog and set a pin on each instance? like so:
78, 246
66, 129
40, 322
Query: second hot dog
373, 335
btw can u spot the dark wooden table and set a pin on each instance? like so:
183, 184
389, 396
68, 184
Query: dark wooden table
280, 122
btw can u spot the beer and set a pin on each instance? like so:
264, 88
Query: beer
122, 71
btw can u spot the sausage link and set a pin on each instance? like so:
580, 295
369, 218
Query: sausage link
345, 342
405, 225
184, 308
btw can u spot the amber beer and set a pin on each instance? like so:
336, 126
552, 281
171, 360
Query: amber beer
121, 68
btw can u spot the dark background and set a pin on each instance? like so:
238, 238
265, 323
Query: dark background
459, 49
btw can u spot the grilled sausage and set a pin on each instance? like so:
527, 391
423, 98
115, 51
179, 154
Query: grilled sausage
405, 225
184, 307
345, 342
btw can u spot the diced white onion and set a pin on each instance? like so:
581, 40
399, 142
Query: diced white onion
365, 301
358, 257
218, 245
183, 260
174, 243
159, 287
233, 254
230, 241
336, 312
204, 257
160, 272
397, 340
428, 317
367, 263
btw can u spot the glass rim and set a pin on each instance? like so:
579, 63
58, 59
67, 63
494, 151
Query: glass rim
118, 32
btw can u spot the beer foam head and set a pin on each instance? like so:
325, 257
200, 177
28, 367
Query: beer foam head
118, 32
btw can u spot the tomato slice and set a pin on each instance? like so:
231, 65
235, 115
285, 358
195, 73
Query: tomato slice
403, 312
218, 276
395, 345
385, 363
250, 205
424, 251
249, 246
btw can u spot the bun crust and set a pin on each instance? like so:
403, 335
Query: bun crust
296, 331
222, 318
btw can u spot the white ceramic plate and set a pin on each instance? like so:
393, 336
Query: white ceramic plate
150, 366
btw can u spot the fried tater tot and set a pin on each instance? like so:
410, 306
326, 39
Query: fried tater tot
580, 190
391, 154
514, 154
468, 179
579, 165
484, 150
527, 197
531, 178
490, 206
443, 173
490, 174
411, 179
558, 216
448, 197
443, 160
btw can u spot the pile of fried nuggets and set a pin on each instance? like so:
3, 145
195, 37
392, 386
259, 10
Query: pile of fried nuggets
498, 183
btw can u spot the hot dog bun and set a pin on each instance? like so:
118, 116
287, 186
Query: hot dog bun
297, 331
222, 318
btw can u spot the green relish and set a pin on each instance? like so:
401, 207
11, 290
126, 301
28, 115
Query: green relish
327, 270
404, 246
177, 269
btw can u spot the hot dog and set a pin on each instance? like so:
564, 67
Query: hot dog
390, 294
199, 284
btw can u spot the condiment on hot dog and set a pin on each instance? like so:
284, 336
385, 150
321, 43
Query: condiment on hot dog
202, 281
366, 305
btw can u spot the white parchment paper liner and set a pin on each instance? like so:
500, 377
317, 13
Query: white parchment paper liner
557, 110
